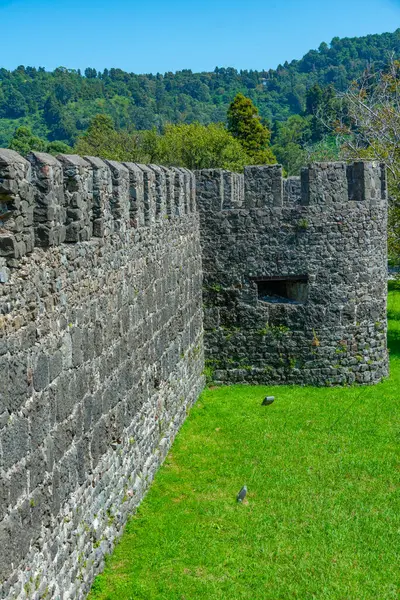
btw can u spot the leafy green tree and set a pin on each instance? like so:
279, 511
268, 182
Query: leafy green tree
149, 141
90, 73
14, 104
101, 139
244, 123
326, 150
61, 124
289, 142
313, 99
194, 146
52, 111
197, 146
323, 108
58, 147
23, 141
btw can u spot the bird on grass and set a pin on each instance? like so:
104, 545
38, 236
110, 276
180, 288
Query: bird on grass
242, 494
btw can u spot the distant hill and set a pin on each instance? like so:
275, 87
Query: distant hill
58, 105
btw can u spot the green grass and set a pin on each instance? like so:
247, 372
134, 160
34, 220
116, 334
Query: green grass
323, 515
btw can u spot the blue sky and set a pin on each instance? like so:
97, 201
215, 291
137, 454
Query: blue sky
157, 36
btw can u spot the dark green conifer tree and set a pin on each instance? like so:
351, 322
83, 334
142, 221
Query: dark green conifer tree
244, 123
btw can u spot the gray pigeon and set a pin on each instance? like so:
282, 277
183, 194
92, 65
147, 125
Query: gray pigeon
242, 494
268, 400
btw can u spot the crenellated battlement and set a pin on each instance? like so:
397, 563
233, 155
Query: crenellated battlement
320, 185
46, 201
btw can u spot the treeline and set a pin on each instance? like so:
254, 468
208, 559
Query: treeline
245, 140
59, 105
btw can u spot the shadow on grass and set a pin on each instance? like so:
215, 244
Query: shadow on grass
393, 337
393, 316
394, 285
393, 312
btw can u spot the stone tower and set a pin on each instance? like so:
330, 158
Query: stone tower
295, 274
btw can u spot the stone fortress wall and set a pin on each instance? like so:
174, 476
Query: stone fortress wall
295, 274
101, 356
101, 328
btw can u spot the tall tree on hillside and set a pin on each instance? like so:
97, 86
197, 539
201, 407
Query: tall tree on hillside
244, 123
52, 111
13, 102
323, 107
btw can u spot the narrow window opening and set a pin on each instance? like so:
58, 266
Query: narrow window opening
282, 290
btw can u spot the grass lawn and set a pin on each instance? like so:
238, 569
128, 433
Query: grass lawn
322, 466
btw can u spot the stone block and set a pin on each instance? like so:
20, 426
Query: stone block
39, 414
120, 204
16, 205
15, 441
78, 194
149, 194
41, 373
136, 194
324, 184
49, 214
160, 191
209, 190
102, 187
263, 186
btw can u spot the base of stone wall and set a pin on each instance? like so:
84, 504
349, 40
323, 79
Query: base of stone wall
323, 377
72, 552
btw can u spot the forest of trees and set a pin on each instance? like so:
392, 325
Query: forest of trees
59, 105
341, 101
